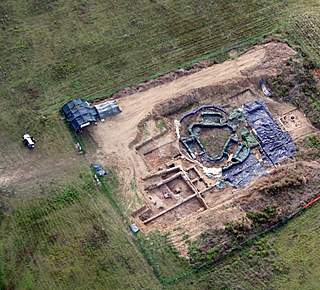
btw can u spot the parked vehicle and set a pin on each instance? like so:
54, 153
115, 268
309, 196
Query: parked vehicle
134, 228
29, 141
98, 170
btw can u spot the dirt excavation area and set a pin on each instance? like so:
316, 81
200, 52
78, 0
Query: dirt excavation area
201, 153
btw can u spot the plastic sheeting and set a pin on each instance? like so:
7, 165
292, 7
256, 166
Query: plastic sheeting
240, 174
275, 143
241, 153
212, 118
264, 88
107, 109
248, 138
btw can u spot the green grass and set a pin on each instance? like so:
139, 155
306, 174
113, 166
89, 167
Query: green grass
74, 236
297, 244
286, 258
73, 239
2, 277
304, 29
163, 257
54, 50
313, 141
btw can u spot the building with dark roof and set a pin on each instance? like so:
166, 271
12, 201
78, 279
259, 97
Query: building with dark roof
79, 114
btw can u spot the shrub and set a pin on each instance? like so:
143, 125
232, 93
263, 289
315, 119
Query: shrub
62, 69
313, 142
262, 217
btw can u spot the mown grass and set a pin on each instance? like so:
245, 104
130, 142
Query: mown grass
303, 27
297, 246
73, 239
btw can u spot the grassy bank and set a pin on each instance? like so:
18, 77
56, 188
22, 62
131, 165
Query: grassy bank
283, 259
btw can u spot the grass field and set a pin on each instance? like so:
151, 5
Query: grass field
76, 239
69, 234
305, 30
53, 50
297, 246
73, 239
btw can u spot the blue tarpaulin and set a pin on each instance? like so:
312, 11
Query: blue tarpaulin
275, 143
240, 174
107, 109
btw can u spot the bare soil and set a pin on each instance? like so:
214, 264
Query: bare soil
115, 135
143, 151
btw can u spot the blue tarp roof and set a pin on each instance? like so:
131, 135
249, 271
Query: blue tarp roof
79, 113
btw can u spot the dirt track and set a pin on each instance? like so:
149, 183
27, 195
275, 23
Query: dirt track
115, 135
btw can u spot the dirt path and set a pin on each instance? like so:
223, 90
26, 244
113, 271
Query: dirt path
115, 135
25, 176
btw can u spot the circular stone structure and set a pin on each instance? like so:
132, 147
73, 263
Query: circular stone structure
215, 137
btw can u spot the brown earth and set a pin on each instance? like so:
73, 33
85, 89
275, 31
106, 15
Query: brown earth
135, 146
115, 135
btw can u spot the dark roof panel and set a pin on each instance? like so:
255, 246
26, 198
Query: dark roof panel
78, 113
